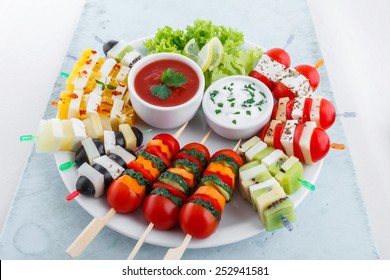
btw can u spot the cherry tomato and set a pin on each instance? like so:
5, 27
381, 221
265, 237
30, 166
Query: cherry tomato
122, 198
198, 147
269, 83
281, 90
230, 153
289, 109
307, 110
280, 56
197, 221
319, 144
161, 211
264, 131
170, 141
310, 73
278, 135
327, 114
296, 148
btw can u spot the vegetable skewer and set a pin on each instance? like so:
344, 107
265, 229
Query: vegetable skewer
177, 253
143, 237
97, 224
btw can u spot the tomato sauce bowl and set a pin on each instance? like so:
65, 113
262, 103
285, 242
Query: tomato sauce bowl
166, 106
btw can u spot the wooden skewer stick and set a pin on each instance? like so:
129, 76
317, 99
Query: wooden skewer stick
177, 253
97, 224
143, 237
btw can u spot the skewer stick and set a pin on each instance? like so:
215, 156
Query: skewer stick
97, 224
319, 63
177, 253
143, 237
89, 233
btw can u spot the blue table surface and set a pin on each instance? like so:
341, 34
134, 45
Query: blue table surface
332, 221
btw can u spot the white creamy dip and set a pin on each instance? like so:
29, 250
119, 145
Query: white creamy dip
236, 102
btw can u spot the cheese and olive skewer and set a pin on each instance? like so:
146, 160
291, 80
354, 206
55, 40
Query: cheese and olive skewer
126, 187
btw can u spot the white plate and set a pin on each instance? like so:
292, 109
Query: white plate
239, 220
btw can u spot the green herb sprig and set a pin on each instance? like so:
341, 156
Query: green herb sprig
104, 85
169, 78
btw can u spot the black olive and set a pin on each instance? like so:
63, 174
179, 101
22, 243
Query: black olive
118, 160
119, 139
85, 186
80, 157
108, 46
107, 176
100, 146
138, 133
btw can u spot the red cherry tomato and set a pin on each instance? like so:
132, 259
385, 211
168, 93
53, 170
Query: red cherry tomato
198, 147
269, 83
319, 144
289, 109
278, 131
170, 141
297, 136
197, 221
122, 198
281, 90
280, 56
161, 211
230, 153
327, 114
306, 110
264, 131
310, 73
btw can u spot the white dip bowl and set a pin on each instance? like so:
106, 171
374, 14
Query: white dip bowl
163, 116
237, 107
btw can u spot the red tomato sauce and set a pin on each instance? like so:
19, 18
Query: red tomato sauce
150, 76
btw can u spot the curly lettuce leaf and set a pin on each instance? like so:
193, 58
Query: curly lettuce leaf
235, 60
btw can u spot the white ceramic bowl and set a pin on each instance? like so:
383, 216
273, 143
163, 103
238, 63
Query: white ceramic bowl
234, 113
160, 116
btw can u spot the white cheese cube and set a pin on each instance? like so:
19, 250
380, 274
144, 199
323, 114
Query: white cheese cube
90, 149
269, 67
296, 82
281, 113
258, 147
287, 138
96, 178
304, 141
111, 166
272, 157
125, 155
109, 141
